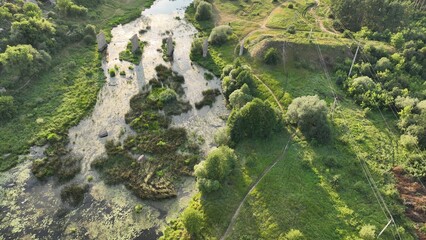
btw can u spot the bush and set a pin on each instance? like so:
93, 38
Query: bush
111, 72
271, 56
204, 11
416, 165
236, 79
222, 137
309, 114
7, 107
368, 232
255, 120
218, 165
294, 234
220, 34
68, 8
240, 97
193, 220
383, 64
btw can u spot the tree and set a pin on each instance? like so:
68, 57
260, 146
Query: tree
193, 221
7, 107
309, 114
204, 11
256, 119
23, 60
218, 165
33, 30
397, 40
236, 79
240, 97
219, 34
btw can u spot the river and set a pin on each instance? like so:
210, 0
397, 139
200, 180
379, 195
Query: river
30, 209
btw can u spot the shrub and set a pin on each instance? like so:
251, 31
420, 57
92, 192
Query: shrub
416, 165
111, 72
290, 6
255, 120
271, 56
222, 137
236, 79
7, 107
240, 97
368, 232
220, 34
397, 40
192, 219
218, 165
294, 234
309, 114
204, 11
383, 64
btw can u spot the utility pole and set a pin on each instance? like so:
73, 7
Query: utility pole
353, 61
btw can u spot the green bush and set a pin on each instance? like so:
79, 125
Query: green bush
240, 97
309, 114
271, 56
193, 220
204, 11
294, 234
256, 119
239, 76
218, 165
111, 72
7, 107
69, 8
220, 34
368, 232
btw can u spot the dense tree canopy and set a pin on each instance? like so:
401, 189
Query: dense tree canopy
374, 14
21, 61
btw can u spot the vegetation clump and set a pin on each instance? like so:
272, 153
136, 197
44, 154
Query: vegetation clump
203, 11
255, 119
309, 114
74, 194
193, 221
133, 57
220, 35
7, 107
209, 97
149, 162
211, 172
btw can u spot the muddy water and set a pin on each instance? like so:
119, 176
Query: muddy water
30, 209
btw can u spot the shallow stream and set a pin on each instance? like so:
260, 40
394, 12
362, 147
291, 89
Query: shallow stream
30, 209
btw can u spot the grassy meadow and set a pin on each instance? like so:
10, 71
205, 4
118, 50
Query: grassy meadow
320, 190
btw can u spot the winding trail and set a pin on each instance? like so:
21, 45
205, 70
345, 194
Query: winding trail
256, 183
319, 20
253, 186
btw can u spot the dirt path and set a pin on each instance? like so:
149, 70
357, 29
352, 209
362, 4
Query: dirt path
319, 20
253, 186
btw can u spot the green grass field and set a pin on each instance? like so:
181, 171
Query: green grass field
318, 189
